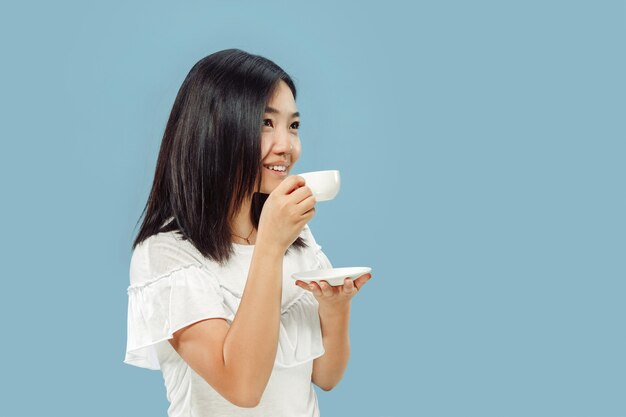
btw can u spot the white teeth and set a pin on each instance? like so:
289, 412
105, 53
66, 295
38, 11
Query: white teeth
278, 168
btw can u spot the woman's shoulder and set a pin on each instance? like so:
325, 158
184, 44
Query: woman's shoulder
161, 254
307, 235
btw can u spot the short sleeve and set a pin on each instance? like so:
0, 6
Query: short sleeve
159, 307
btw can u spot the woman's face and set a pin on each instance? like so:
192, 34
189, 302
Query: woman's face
280, 144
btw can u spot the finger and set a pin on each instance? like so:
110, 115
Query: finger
327, 289
302, 285
307, 204
290, 184
348, 287
315, 289
306, 217
300, 194
360, 281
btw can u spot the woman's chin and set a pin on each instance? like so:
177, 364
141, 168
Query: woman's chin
269, 186
267, 190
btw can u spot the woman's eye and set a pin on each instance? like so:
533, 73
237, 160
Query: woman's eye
267, 122
295, 125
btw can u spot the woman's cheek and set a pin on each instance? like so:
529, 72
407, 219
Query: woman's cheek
264, 147
297, 149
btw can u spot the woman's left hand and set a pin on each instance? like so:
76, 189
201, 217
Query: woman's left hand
337, 296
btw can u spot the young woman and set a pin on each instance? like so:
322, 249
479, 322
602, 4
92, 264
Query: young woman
211, 300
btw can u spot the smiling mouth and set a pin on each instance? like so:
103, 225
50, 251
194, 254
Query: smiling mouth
277, 168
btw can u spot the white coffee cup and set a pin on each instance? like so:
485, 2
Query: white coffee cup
324, 184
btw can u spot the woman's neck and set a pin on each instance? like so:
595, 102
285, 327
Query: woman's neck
242, 226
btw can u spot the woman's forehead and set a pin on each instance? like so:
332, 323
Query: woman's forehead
282, 102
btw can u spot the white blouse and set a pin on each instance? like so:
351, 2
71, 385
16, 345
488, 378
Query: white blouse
173, 285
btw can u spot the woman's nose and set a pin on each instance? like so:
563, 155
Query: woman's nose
282, 141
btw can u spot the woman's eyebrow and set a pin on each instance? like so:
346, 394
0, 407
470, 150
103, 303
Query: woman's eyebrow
273, 110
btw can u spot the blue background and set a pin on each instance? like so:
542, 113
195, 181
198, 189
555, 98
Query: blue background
481, 146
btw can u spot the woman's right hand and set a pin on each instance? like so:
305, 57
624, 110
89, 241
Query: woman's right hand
285, 212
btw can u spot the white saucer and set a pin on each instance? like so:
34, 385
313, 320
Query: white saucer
333, 276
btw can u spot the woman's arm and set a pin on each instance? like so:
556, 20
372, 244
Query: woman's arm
328, 369
237, 360
334, 312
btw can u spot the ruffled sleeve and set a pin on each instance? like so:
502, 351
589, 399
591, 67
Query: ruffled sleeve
300, 334
159, 307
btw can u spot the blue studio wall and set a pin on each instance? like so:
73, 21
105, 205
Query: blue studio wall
481, 146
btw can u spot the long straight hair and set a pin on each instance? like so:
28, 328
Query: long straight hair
210, 156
